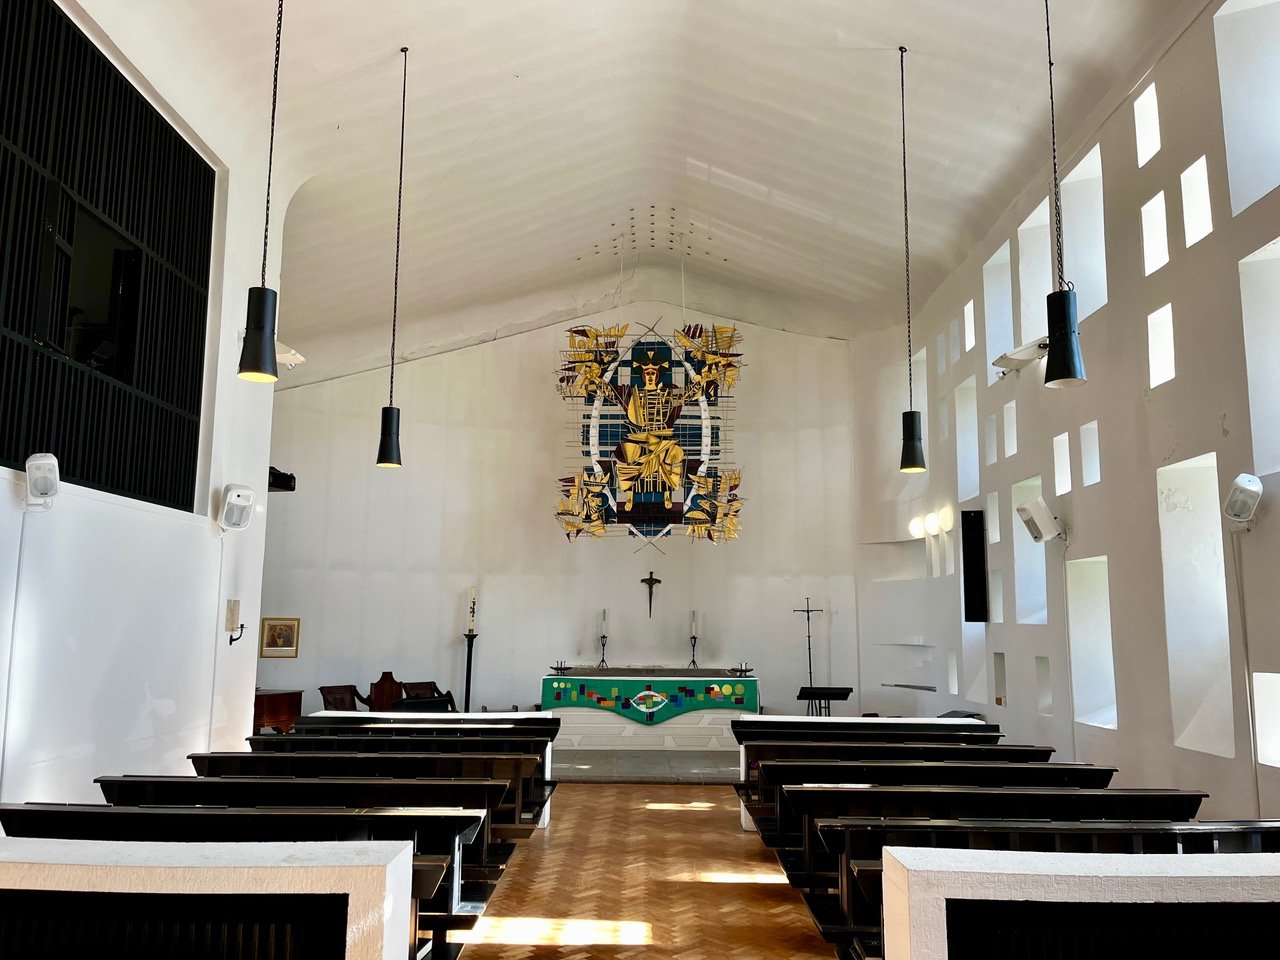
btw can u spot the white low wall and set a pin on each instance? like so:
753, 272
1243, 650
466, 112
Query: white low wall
919, 881
589, 728
375, 876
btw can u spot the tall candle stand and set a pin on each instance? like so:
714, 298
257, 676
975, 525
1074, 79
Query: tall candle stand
470, 637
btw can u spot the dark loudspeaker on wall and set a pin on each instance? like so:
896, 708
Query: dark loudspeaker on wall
973, 554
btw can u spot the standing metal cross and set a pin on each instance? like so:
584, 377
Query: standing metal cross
808, 612
650, 581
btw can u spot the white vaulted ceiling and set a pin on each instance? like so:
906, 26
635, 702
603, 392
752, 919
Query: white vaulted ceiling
537, 127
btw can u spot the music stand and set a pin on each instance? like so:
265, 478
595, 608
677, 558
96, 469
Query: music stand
820, 699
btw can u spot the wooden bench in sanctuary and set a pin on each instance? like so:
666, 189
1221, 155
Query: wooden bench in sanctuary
523, 806
756, 752
776, 774
851, 919
484, 859
811, 866
863, 730
434, 832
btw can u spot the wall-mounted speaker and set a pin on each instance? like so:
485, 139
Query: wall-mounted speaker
237, 507
973, 559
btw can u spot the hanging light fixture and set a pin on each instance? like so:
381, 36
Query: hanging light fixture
258, 353
389, 443
1065, 366
912, 441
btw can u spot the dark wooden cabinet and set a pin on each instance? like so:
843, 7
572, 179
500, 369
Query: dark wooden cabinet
276, 709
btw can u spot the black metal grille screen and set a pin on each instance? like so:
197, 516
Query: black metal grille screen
106, 220
1038, 930
55, 925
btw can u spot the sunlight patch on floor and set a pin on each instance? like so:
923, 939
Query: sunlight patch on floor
728, 876
695, 805
555, 931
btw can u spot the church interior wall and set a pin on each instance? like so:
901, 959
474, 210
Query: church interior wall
378, 563
1203, 409
115, 658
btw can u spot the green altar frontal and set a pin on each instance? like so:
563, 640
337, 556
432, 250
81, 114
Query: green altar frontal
652, 699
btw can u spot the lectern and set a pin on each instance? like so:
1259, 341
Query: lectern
820, 699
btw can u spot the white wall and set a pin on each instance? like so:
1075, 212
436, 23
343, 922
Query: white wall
1204, 409
116, 660
377, 563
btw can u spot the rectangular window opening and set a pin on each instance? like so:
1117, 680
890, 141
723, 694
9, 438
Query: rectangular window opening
1001, 698
997, 596
968, 484
1035, 273
1197, 210
1146, 123
1093, 673
997, 307
970, 331
1155, 234
1030, 586
1062, 464
990, 440
1195, 605
1084, 233
1160, 357
1260, 303
1090, 459
993, 517
1011, 428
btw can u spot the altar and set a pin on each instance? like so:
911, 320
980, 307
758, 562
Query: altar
648, 708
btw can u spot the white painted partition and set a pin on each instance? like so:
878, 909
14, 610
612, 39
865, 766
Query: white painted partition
375, 876
919, 881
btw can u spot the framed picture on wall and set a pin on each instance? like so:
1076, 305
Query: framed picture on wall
279, 637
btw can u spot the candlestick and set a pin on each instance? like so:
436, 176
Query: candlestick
471, 611
693, 622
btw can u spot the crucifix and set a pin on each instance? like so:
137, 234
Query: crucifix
650, 581
808, 612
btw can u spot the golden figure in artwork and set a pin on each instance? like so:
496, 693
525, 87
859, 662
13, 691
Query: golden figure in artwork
649, 459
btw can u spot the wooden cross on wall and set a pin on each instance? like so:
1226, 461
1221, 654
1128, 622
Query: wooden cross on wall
650, 581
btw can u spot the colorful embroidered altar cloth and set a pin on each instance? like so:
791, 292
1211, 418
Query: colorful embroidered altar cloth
652, 699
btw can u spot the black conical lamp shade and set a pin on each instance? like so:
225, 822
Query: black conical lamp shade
258, 354
389, 444
912, 443
1065, 366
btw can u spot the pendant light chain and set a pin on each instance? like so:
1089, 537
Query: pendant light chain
1053, 137
271, 146
906, 222
395, 290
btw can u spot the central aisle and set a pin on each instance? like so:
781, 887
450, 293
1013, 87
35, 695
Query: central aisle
627, 868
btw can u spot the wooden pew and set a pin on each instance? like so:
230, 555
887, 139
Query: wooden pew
434, 832
863, 730
411, 724
529, 796
775, 774
758, 751
135, 790
859, 843
812, 867
499, 741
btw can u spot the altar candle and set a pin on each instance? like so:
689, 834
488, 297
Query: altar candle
693, 623
471, 611
604, 619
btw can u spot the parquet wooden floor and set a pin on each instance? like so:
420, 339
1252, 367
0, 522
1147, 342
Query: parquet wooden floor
636, 870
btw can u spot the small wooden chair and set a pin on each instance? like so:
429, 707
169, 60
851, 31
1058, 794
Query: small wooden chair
384, 691
342, 697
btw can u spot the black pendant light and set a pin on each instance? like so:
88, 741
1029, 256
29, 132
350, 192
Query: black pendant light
912, 441
1065, 365
258, 354
389, 443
